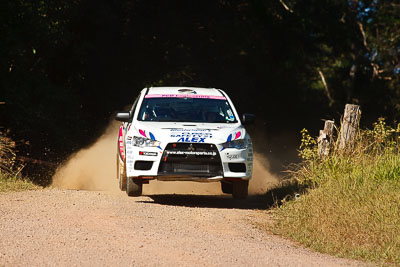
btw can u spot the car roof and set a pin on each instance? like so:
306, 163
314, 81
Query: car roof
185, 90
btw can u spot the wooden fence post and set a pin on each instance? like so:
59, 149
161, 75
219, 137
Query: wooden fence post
325, 138
350, 123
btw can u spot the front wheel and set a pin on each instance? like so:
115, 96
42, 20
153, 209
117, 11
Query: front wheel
240, 189
121, 175
133, 187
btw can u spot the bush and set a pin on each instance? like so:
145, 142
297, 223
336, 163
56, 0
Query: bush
352, 204
10, 169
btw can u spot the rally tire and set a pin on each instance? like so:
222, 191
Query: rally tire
240, 189
133, 187
226, 187
121, 176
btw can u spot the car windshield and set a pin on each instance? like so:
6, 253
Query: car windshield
190, 109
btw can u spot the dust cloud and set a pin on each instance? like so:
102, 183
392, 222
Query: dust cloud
94, 168
262, 178
261, 181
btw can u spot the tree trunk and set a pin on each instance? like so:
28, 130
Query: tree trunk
325, 139
349, 128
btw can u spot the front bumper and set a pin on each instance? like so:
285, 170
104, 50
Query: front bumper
189, 162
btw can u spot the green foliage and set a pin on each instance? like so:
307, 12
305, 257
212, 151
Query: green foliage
351, 208
308, 148
383, 136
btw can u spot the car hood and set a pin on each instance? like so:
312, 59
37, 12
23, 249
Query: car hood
173, 132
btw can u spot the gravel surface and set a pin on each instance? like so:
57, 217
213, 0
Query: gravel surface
55, 227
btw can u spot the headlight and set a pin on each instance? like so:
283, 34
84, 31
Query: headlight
238, 144
144, 142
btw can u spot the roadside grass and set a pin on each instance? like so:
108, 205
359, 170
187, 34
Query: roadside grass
9, 183
10, 177
349, 204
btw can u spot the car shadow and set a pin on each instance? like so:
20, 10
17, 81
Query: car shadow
273, 198
257, 202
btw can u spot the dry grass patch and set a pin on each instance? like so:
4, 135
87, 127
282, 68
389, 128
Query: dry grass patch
10, 177
12, 183
352, 206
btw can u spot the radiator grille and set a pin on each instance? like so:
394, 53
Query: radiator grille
190, 159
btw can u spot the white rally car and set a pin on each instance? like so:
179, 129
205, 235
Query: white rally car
184, 134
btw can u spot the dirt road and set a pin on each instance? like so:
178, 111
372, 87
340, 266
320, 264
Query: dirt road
57, 227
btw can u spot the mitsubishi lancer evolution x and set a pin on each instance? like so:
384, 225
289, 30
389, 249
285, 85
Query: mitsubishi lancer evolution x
184, 134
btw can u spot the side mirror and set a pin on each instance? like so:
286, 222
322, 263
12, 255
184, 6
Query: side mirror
123, 116
248, 118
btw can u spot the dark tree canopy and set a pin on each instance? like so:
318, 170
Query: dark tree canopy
67, 66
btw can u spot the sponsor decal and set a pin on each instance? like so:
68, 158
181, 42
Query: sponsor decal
192, 136
190, 130
185, 96
232, 136
197, 153
191, 140
121, 142
232, 156
204, 135
129, 152
147, 153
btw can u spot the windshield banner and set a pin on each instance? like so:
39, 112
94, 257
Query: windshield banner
185, 96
